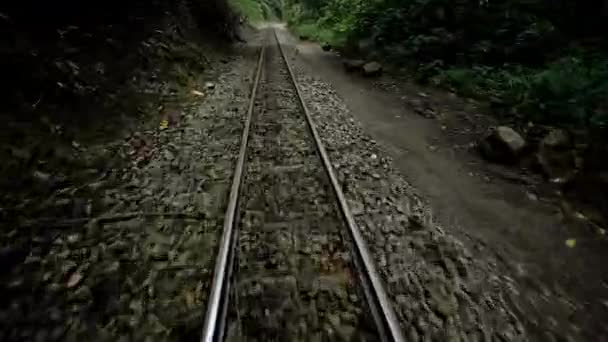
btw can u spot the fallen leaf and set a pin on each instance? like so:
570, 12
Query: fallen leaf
164, 124
571, 243
74, 280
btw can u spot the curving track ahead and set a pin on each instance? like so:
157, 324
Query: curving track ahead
292, 264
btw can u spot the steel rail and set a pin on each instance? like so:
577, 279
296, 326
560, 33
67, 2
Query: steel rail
213, 328
378, 301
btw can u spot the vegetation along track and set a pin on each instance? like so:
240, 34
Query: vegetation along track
291, 264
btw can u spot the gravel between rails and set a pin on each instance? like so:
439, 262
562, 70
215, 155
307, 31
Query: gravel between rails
143, 278
438, 290
295, 280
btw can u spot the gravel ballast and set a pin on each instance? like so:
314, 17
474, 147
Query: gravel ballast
134, 260
439, 291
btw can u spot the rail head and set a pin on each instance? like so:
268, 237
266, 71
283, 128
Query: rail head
378, 300
215, 317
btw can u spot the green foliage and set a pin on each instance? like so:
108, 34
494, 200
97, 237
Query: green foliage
325, 21
251, 9
258, 10
568, 91
510, 52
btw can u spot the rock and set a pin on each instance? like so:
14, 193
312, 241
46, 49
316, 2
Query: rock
353, 65
346, 332
555, 157
75, 280
181, 201
168, 155
557, 138
68, 266
326, 46
330, 284
416, 220
372, 69
41, 177
356, 207
412, 335
348, 317
119, 247
442, 302
209, 85
74, 238
503, 145
334, 320
446, 307
159, 252
95, 186
83, 294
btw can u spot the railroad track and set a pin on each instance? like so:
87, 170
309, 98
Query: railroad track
292, 265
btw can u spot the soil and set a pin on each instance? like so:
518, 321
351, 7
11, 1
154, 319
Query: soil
506, 218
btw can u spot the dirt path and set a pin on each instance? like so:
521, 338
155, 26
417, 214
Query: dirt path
559, 292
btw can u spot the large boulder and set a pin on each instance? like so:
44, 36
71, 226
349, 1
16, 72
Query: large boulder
588, 189
372, 69
502, 145
556, 156
353, 65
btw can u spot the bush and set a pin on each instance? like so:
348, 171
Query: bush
258, 10
332, 24
571, 90
251, 9
568, 91
507, 52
